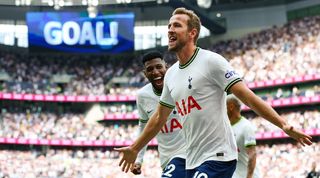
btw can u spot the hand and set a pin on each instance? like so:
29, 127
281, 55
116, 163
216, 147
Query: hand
128, 158
136, 169
302, 138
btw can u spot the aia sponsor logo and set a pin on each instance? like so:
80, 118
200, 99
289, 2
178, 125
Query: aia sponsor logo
184, 107
171, 126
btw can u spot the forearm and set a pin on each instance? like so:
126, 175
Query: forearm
143, 150
266, 111
151, 130
251, 151
251, 166
257, 104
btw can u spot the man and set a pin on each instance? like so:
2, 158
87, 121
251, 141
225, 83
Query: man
171, 145
197, 85
313, 173
245, 137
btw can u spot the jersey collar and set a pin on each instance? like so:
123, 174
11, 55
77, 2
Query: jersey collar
190, 60
237, 121
156, 92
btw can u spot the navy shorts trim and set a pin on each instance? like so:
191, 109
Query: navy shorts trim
213, 169
176, 168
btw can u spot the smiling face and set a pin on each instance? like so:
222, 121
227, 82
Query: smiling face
178, 32
155, 70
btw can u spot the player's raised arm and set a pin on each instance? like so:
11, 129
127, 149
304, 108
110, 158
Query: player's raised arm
152, 128
264, 110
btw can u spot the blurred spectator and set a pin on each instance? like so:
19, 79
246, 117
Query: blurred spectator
37, 124
275, 53
276, 160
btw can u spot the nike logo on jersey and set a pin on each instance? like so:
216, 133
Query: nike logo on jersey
149, 111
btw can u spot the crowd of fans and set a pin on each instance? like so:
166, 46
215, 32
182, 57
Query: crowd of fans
277, 160
279, 52
69, 163
302, 120
78, 127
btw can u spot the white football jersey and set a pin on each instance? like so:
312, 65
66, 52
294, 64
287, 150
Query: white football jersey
170, 139
245, 136
198, 91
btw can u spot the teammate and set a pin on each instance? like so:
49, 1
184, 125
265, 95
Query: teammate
244, 133
197, 85
171, 145
314, 173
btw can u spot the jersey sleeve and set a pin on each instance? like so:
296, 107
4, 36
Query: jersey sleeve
143, 119
143, 150
249, 136
222, 72
143, 116
166, 98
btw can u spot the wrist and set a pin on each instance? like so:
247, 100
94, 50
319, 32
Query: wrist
286, 127
134, 148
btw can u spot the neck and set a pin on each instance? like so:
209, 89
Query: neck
157, 90
185, 53
234, 118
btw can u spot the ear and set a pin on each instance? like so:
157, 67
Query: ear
193, 33
145, 73
230, 106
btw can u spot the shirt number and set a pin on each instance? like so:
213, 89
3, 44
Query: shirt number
200, 175
169, 169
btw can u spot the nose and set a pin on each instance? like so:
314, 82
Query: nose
155, 71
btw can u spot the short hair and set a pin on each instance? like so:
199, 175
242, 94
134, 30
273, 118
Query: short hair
193, 22
151, 55
235, 101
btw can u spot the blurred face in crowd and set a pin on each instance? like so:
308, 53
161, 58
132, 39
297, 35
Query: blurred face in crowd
178, 33
155, 70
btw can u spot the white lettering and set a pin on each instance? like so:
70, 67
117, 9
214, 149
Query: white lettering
52, 33
66, 35
87, 34
113, 34
71, 33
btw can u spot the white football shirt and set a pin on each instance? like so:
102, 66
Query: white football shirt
198, 90
245, 136
170, 139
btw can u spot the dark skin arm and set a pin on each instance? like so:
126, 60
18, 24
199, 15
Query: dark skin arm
155, 123
252, 154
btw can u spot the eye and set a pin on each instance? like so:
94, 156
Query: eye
159, 66
149, 69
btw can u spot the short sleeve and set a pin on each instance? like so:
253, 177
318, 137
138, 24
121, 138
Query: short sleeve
222, 72
166, 98
142, 113
249, 136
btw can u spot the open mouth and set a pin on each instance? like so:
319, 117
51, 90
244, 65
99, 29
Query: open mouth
158, 81
172, 39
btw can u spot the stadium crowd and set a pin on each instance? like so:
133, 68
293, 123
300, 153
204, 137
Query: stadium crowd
276, 160
275, 53
279, 52
76, 127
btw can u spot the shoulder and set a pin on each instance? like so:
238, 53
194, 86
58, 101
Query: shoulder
144, 91
172, 70
210, 55
174, 67
247, 124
